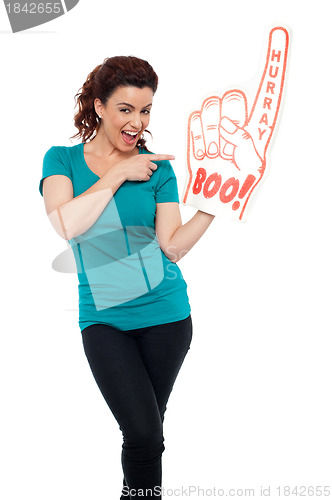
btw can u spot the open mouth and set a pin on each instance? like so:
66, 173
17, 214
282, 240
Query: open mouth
129, 137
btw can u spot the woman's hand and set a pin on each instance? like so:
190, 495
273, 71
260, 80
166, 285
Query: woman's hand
140, 167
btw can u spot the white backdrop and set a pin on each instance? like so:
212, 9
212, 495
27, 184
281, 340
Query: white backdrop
251, 407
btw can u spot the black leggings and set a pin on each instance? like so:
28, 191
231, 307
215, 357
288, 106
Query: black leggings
135, 371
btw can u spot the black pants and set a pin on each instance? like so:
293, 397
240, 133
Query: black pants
135, 371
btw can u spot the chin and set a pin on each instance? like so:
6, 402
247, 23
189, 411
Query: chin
127, 147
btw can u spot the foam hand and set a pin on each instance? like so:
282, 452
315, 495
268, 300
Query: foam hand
226, 147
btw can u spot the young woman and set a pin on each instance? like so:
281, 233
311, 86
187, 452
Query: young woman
117, 205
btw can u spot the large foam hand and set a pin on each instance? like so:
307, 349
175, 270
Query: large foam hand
226, 148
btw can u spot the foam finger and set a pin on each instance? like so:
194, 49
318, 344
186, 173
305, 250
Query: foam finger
210, 116
266, 106
234, 107
195, 139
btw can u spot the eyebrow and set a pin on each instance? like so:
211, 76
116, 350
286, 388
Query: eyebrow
131, 106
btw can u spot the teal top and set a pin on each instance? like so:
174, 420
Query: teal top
124, 278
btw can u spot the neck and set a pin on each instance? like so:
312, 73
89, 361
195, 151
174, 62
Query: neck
100, 145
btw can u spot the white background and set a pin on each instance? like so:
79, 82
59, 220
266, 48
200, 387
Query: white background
252, 403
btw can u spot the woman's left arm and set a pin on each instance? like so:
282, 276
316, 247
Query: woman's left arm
176, 239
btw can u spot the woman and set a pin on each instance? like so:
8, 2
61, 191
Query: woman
117, 205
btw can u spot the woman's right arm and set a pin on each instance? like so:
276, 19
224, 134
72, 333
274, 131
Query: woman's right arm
71, 216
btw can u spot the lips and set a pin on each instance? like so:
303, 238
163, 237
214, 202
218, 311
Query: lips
129, 136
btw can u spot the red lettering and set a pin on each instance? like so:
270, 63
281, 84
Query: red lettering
214, 179
247, 185
275, 71
270, 86
228, 190
261, 133
276, 55
200, 178
232, 184
264, 119
267, 103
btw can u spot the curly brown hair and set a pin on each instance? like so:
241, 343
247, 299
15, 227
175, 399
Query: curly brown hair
115, 72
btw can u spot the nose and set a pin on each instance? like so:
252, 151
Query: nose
136, 121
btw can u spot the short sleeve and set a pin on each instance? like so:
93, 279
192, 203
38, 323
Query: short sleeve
53, 164
167, 188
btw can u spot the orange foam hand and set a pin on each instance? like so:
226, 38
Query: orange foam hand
226, 147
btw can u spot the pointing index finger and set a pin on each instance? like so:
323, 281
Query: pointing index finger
266, 106
157, 157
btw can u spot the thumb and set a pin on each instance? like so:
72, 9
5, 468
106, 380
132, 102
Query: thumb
232, 133
245, 155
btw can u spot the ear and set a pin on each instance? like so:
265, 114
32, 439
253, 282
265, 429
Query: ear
98, 106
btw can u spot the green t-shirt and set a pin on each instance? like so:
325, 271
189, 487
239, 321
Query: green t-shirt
125, 279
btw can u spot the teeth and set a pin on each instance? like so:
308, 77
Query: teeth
130, 133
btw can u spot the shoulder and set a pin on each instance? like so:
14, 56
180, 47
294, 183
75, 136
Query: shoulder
60, 158
63, 154
62, 150
52, 154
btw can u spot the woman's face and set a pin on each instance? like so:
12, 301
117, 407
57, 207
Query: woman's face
126, 116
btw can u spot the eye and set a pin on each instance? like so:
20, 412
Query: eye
146, 111
125, 110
